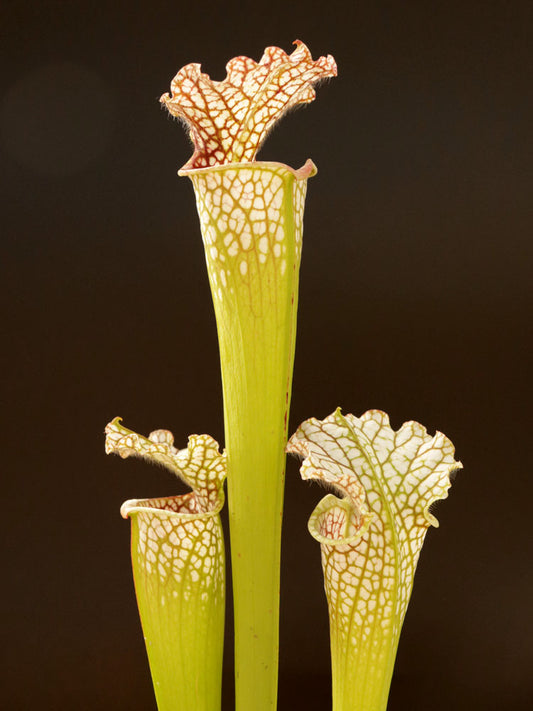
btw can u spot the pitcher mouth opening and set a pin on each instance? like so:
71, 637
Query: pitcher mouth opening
308, 169
173, 507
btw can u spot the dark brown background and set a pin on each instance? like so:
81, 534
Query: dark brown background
415, 298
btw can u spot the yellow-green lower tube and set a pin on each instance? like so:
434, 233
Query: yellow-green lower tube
181, 604
251, 218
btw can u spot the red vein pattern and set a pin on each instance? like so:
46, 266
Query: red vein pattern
200, 465
243, 216
228, 120
169, 526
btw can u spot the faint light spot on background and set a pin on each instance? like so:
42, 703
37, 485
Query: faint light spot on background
58, 119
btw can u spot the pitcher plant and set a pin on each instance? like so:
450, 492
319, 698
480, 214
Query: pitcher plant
251, 220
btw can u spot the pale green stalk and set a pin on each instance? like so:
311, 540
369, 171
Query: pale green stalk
371, 538
253, 271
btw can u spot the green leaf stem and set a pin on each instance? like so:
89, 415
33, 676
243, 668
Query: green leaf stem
177, 551
371, 537
251, 219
